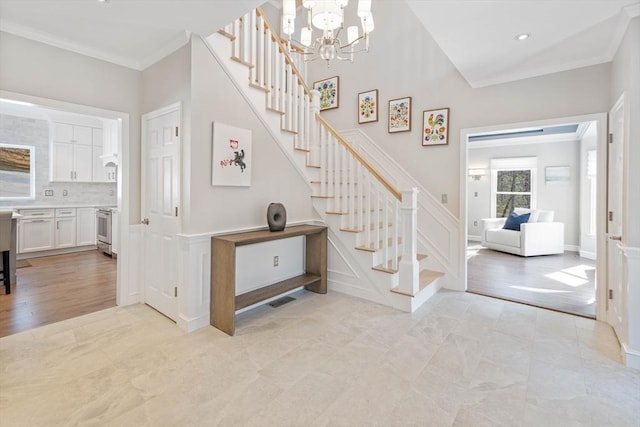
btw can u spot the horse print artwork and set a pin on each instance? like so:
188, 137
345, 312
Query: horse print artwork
231, 156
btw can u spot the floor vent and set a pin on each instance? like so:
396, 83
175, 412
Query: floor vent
281, 301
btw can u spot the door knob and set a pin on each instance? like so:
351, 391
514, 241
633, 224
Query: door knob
619, 238
145, 221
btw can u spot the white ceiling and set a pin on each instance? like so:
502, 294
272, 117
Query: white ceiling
133, 33
477, 35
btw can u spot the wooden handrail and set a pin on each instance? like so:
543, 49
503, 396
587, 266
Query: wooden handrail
283, 49
396, 193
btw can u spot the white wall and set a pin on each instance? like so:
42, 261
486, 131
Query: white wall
404, 60
562, 199
32, 68
273, 179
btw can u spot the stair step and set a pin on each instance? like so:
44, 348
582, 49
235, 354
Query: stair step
360, 230
257, 86
388, 269
344, 213
243, 62
333, 182
306, 150
427, 277
371, 248
275, 110
227, 35
295, 132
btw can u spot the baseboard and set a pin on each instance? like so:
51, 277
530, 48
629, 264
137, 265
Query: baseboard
631, 357
588, 255
190, 325
571, 248
51, 252
473, 238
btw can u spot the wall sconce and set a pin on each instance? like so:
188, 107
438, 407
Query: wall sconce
476, 174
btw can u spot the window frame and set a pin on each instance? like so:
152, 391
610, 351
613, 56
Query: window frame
514, 164
32, 172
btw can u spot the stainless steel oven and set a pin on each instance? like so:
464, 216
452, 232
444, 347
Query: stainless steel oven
103, 226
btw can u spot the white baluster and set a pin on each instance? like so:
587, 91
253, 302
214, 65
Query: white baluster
323, 161
396, 232
261, 52
361, 200
253, 49
246, 38
353, 193
376, 226
368, 203
346, 197
385, 218
268, 66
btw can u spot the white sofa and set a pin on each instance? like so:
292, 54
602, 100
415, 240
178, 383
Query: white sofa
539, 236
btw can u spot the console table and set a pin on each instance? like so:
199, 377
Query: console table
225, 302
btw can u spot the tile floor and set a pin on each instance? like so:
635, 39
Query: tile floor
322, 360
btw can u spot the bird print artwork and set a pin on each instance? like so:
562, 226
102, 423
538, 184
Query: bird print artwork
435, 127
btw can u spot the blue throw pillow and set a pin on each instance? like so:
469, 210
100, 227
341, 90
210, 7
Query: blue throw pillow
514, 221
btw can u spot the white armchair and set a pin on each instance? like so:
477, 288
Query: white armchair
534, 238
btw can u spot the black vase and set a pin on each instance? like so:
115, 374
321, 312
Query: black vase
276, 216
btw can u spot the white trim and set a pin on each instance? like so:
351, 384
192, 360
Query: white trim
572, 248
503, 142
601, 122
474, 238
167, 48
630, 357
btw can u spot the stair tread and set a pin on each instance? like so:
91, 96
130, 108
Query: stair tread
227, 35
369, 248
275, 110
257, 86
427, 277
306, 150
387, 269
360, 230
243, 62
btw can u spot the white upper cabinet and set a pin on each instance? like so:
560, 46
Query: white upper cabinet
72, 153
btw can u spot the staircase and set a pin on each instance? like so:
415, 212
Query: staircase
372, 224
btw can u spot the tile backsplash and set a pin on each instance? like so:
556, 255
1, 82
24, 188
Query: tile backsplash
35, 132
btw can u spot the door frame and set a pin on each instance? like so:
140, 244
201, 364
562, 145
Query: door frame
620, 104
126, 285
601, 204
176, 106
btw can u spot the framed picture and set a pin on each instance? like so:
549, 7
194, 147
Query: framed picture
400, 115
329, 92
17, 172
231, 156
368, 106
435, 127
557, 175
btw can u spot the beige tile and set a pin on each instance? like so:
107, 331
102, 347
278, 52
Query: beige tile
322, 360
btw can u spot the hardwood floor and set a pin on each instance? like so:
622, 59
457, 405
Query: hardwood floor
560, 282
57, 288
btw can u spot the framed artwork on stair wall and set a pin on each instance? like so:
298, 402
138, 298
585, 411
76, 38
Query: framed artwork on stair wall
368, 106
231, 156
400, 115
329, 92
435, 127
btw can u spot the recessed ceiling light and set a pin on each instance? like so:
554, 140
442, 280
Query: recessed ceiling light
102, 1
522, 36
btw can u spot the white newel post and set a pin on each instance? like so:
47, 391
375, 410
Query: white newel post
314, 132
409, 270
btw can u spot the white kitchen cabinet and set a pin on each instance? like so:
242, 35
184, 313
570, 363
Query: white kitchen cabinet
101, 173
85, 226
65, 228
72, 153
36, 230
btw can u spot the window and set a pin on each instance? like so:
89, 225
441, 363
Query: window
513, 183
17, 172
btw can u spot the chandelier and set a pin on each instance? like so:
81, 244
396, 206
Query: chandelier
327, 16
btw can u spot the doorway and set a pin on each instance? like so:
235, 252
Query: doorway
117, 272
566, 180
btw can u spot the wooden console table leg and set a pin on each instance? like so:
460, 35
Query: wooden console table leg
316, 260
223, 289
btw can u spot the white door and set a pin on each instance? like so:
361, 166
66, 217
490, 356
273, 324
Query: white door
161, 200
615, 174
